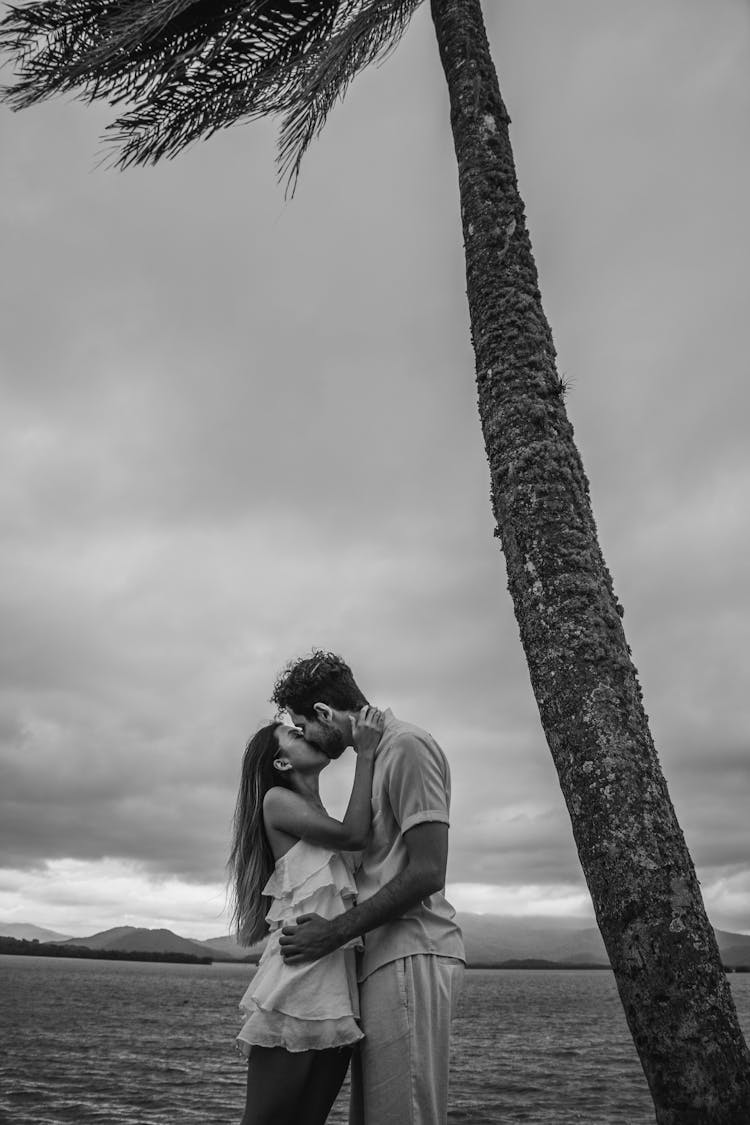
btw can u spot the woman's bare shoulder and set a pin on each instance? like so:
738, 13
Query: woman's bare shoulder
279, 797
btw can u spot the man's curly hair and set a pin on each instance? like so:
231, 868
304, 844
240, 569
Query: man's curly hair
321, 677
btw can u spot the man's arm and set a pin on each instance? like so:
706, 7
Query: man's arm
424, 874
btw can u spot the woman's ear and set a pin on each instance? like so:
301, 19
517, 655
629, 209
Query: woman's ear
282, 764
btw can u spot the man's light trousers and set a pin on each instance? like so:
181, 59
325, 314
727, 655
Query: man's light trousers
400, 1069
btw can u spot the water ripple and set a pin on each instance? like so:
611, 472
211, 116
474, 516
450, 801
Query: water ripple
123, 1043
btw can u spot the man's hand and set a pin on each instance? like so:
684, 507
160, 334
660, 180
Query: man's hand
313, 937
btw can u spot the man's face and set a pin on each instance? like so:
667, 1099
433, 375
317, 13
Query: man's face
322, 732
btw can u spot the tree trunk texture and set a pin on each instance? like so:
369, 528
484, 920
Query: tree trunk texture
640, 874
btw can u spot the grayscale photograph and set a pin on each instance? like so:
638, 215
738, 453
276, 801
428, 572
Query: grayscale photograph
375, 507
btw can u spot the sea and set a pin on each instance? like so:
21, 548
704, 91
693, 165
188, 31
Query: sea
138, 1043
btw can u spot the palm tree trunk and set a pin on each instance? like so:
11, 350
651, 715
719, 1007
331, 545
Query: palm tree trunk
642, 881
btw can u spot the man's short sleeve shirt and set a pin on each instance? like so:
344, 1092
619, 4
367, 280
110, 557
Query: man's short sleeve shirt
411, 785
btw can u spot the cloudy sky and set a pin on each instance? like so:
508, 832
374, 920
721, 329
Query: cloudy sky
234, 428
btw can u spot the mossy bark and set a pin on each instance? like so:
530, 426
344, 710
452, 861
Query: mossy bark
642, 881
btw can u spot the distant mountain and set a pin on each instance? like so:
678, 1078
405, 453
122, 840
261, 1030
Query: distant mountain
228, 946
734, 948
540, 963
582, 945
97, 941
24, 931
736, 955
132, 939
490, 939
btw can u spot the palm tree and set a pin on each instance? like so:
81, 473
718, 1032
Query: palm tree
189, 67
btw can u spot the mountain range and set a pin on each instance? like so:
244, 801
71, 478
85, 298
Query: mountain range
489, 939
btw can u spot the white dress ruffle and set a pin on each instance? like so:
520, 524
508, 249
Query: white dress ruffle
311, 1006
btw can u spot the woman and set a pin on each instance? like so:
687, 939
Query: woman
301, 1020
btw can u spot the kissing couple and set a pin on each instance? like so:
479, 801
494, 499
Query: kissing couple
364, 960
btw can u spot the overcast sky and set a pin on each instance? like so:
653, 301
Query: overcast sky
233, 428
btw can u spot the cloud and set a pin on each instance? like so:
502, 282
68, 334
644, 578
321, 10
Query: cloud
107, 894
235, 428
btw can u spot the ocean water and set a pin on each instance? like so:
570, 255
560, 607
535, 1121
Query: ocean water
128, 1043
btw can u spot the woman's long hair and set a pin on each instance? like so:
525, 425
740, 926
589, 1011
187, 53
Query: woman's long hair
251, 860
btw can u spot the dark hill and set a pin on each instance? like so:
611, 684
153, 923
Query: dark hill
132, 939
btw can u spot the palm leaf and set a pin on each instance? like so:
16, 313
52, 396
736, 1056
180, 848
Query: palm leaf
186, 68
205, 92
122, 49
324, 74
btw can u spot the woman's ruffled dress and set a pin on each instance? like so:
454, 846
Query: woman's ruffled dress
314, 1005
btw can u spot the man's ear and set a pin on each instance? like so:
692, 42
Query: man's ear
282, 764
323, 711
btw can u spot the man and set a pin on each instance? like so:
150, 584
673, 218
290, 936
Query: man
413, 961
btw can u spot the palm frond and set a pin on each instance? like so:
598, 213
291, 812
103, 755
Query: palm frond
125, 49
202, 93
186, 68
325, 72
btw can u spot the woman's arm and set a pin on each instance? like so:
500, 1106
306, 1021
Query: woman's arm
289, 812
424, 874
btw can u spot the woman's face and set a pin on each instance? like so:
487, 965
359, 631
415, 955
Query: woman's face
301, 755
